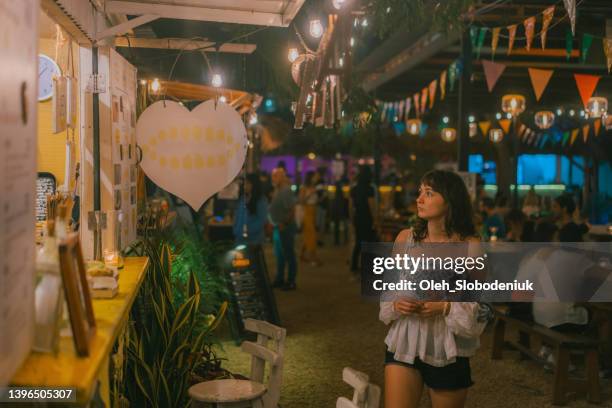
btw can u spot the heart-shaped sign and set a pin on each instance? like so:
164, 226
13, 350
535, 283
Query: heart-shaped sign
192, 154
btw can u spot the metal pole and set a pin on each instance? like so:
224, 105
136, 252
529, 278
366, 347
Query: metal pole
465, 98
517, 146
96, 134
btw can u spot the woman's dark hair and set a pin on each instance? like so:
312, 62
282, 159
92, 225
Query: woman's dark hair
566, 202
460, 216
256, 192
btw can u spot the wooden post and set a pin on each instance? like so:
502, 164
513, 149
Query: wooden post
465, 98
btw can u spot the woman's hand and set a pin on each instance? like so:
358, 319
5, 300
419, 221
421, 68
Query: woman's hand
407, 307
433, 309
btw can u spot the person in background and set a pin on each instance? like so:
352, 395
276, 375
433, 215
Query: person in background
323, 203
309, 199
492, 222
266, 185
563, 209
340, 212
518, 228
531, 203
364, 213
251, 213
282, 217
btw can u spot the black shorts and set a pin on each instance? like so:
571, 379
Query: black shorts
454, 376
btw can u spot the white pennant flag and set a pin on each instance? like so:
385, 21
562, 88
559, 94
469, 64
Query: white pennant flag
570, 6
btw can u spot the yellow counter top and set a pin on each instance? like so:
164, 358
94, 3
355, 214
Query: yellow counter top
66, 369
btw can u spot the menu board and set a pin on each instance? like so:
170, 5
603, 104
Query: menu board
252, 296
18, 104
45, 185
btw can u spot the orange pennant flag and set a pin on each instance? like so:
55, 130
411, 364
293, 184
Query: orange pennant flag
585, 132
505, 125
433, 86
424, 99
443, 85
539, 80
586, 85
495, 39
511, 36
574, 136
529, 30
492, 70
484, 127
597, 126
547, 16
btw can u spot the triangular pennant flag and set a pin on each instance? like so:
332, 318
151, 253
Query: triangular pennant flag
566, 135
587, 40
544, 140
383, 113
408, 108
574, 136
597, 126
539, 80
607, 46
401, 111
396, 114
474, 36
522, 129
532, 136
494, 41
585, 132
505, 125
547, 16
424, 127
481, 39
442, 85
424, 93
529, 30
511, 37
586, 85
570, 6
417, 105
493, 71
452, 75
484, 127
569, 44
433, 86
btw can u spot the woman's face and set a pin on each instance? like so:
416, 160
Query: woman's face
430, 204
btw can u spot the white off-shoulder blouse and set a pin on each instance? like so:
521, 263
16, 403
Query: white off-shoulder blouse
438, 340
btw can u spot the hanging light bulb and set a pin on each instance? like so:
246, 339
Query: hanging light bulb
293, 54
316, 28
544, 119
352, 42
253, 120
155, 85
445, 120
223, 99
341, 62
498, 116
597, 106
471, 119
496, 135
413, 126
217, 81
364, 23
572, 112
559, 112
448, 135
338, 4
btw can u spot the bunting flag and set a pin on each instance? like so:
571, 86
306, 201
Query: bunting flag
443, 85
539, 80
481, 39
474, 36
570, 6
433, 86
493, 71
547, 16
544, 140
511, 37
532, 136
529, 30
452, 75
484, 127
505, 125
586, 86
401, 111
494, 41
566, 135
383, 113
607, 46
522, 130
424, 127
574, 136
408, 108
597, 127
569, 44
587, 40
585, 132
417, 105
424, 99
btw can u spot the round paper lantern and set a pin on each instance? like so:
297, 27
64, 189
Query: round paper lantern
513, 104
496, 135
544, 119
448, 134
597, 106
413, 126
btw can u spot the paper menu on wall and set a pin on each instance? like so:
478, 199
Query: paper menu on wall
18, 103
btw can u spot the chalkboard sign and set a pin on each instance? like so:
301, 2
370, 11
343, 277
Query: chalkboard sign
45, 184
252, 295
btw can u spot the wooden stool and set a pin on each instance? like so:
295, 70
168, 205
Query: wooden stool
366, 394
230, 393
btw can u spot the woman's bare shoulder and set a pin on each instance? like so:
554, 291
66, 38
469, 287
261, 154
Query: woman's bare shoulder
404, 235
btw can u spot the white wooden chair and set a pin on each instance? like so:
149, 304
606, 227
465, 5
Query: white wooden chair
366, 394
231, 393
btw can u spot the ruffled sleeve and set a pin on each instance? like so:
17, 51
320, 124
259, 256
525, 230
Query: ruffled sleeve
387, 314
465, 319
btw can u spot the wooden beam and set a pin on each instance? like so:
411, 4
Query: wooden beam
183, 44
534, 52
127, 26
293, 7
197, 13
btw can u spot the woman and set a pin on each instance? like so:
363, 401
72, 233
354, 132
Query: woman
252, 213
363, 211
309, 199
430, 342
